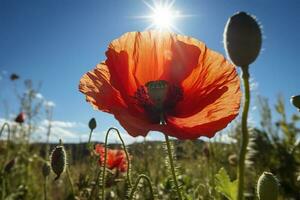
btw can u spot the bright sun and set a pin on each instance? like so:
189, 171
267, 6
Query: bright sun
163, 16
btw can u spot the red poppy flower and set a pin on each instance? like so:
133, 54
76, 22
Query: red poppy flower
160, 81
116, 159
20, 118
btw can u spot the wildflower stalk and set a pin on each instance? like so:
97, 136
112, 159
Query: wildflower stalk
70, 181
140, 177
245, 134
45, 188
90, 136
172, 167
105, 160
3, 187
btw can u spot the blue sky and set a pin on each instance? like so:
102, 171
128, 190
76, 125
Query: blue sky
57, 41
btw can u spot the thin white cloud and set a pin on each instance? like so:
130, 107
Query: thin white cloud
49, 104
39, 96
62, 124
253, 85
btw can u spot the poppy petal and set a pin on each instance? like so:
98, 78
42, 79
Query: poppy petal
99, 92
213, 84
213, 117
139, 57
135, 126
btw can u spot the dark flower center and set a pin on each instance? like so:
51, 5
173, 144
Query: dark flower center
158, 98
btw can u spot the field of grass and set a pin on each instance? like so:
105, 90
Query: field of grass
273, 148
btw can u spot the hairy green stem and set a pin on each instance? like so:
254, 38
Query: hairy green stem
140, 177
105, 160
96, 185
173, 167
245, 134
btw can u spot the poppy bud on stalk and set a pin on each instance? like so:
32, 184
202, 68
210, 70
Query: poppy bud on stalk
92, 124
46, 169
267, 187
58, 160
295, 100
242, 39
8, 167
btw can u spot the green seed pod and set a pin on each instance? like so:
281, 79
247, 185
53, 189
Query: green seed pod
242, 39
58, 160
46, 169
267, 187
296, 101
92, 124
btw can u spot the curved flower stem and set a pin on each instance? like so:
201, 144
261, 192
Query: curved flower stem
8, 137
245, 134
172, 167
8, 130
137, 183
105, 159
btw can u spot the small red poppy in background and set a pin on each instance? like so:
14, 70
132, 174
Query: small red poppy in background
160, 81
20, 118
116, 159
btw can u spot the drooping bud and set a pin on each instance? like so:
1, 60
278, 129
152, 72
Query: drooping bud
8, 167
92, 124
58, 160
242, 39
295, 100
20, 118
46, 169
267, 187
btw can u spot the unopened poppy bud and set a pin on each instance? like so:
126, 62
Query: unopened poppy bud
92, 124
58, 160
9, 165
242, 39
46, 169
296, 101
267, 187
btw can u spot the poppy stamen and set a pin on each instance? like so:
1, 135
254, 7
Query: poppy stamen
158, 98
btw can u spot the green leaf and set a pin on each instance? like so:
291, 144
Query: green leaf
225, 186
